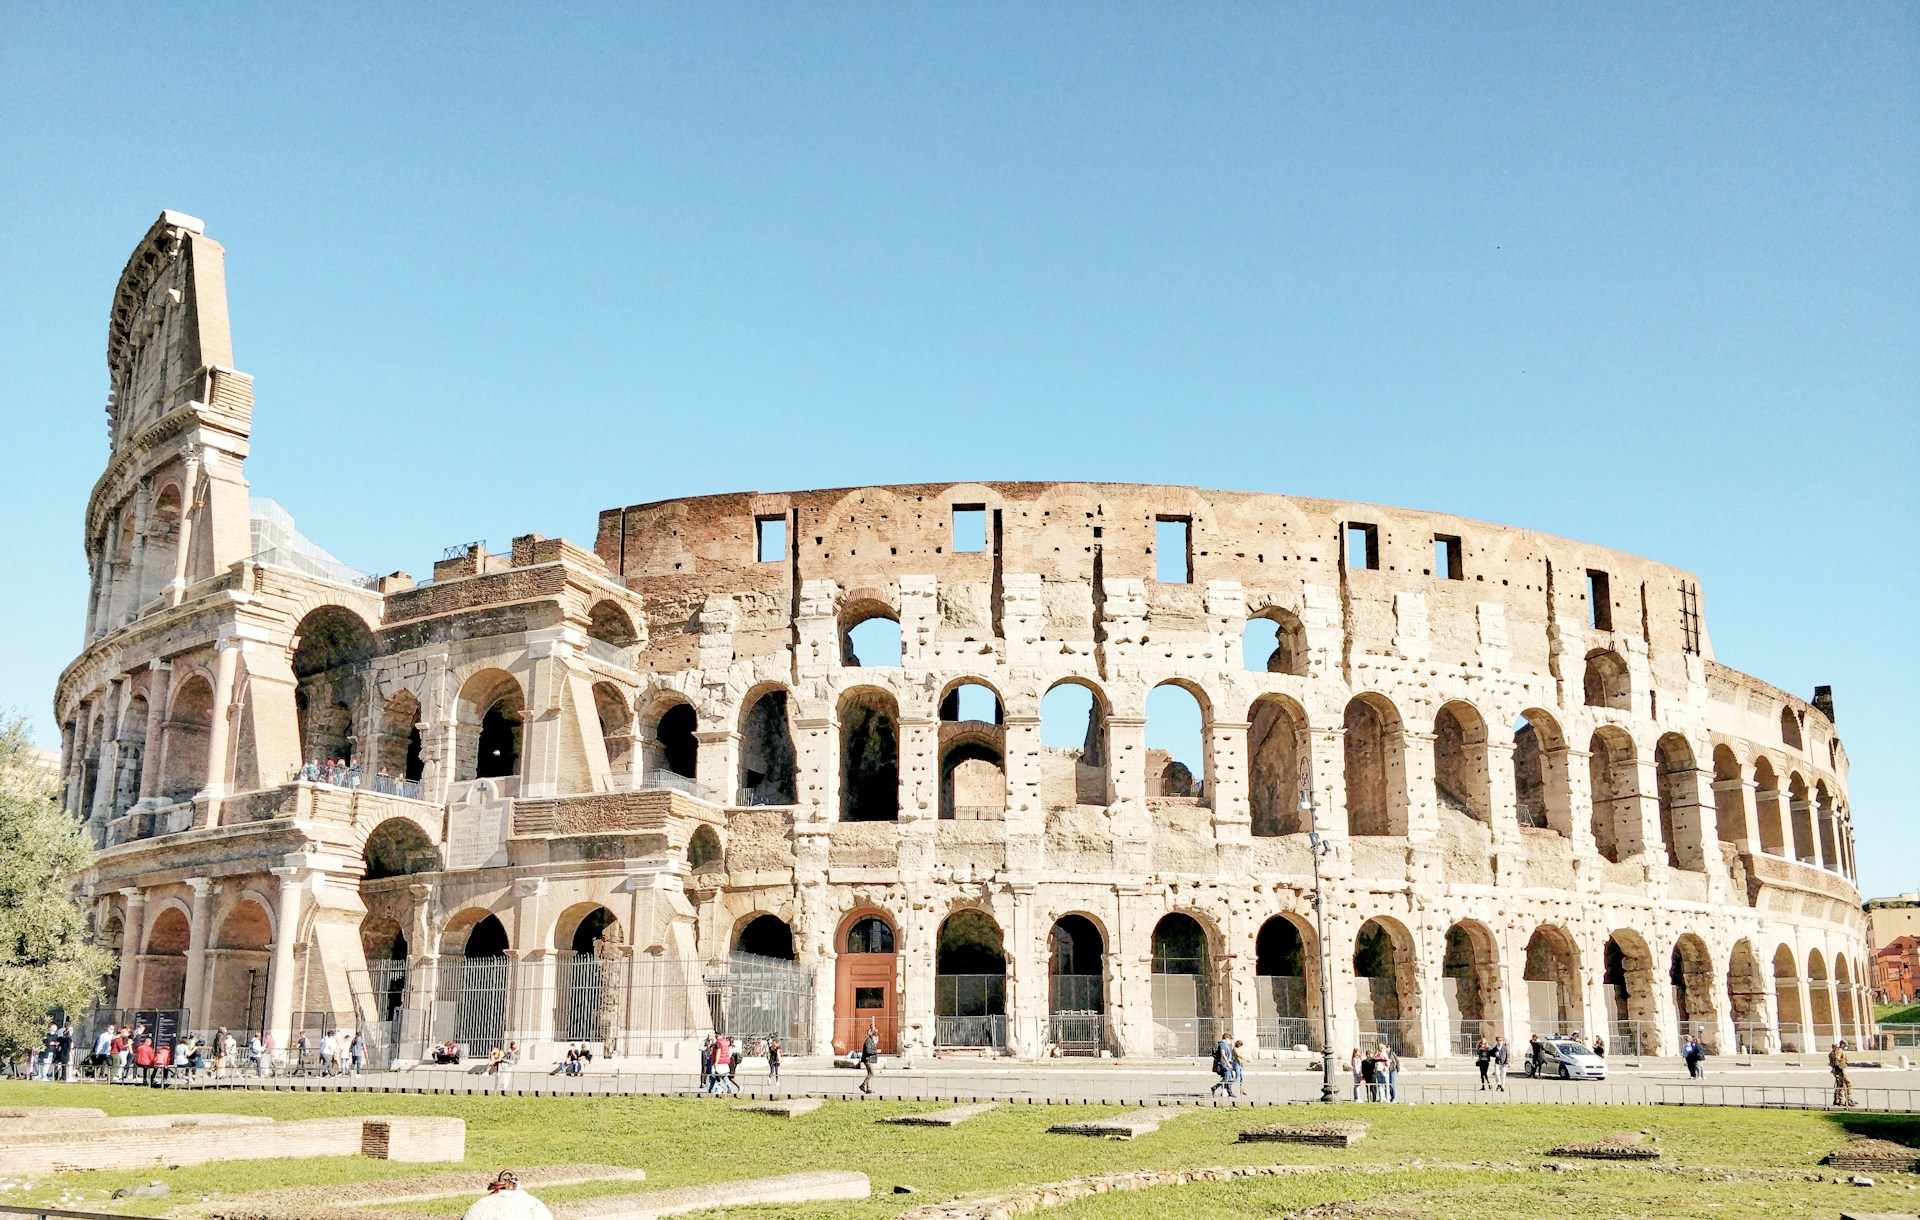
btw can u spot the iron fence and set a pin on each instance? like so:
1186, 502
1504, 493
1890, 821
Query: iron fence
970, 1010
1397, 1032
1187, 1037
986, 1031
1285, 1033
1082, 1032
1890, 1036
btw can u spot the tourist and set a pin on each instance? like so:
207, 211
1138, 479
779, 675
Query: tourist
505, 1200
356, 1053
737, 1052
1483, 1059
1390, 1061
1536, 1056
870, 1057
1690, 1055
1239, 1066
122, 1051
1837, 1064
723, 1081
494, 1057
1369, 1077
773, 1061
1600, 1047
103, 1049
1222, 1066
706, 1064
1500, 1057
326, 1053
269, 1062
143, 1060
300, 1054
1359, 1074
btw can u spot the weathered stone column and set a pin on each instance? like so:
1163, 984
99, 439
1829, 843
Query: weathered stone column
189, 496
1026, 975
158, 687
142, 505
1227, 772
133, 931
220, 735
718, 763
194, 994
286, 932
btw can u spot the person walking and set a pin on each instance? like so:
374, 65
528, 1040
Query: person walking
1690, 1055
706, 1064
1240, 1066
870, 1057
1483, 1059
723, 1081
1837, 1064
356, 1053
1536, 1056
1500, 1057
1222, 1061
773, 1061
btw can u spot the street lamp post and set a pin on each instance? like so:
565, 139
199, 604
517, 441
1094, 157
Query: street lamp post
1320, 847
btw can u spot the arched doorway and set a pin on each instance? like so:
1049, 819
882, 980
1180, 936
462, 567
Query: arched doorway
1385, 987
185, 738
1819, 1000
474, 966
1073, 738
1627, 971
1678, 787
385, 947
1541, 793
593, 976
491, 709
767, 762
1552, 979
1844, 997
163, 967
869, 756
674, 745
1076, 986
331, 648
1612, 787
400, 757
767, 936
970, 983
1470, 971
1276, 744
1178, 755
1280, 970
1460, 778
1747, 1001
1791, 1028
973, 750
866, 988
237, 971
1374, 768
1692, 978
1183, 991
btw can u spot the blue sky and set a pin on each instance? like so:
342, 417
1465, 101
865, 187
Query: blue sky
1639, 276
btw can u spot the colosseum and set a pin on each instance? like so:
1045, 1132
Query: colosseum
806, 762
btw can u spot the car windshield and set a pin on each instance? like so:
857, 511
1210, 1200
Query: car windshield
1570, 1048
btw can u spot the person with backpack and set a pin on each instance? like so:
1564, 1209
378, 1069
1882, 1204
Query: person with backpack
870, 1057
773, 1061
1222, 1066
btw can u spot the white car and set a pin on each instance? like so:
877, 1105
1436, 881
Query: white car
1569, 1060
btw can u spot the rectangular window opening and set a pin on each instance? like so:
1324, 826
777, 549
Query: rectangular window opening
1599, 600
1363, 546
866, 999
1173, 550
770, 539
1446, 558
969, 527
1690, 616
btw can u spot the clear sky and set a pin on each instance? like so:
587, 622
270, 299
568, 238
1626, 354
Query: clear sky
1638, 276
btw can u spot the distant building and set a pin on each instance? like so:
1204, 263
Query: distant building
44, 767
1893, 935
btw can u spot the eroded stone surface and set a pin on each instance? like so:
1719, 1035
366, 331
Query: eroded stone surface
1120, 1126
1334, 1134
1617, 1146
951, 1117
788, 1107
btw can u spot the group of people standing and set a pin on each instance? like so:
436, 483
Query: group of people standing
1376, 1077
1492, 1059
720, 1058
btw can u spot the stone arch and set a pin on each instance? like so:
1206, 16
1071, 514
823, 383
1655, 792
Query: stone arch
615, 717
970, 981
1682, 820
1792, 1023
1747, 999
1274, 641
1606, 681
1729, 801
398, 847
610, 624
400, 754
591, 951
329, 650
473, 978
1286, 972
1542, 791
1460, 773
1790, 735
1800, 809
866, 982
132, 744
1076, 984
1470, 966
973, 752
163, 964
1823, 818
491, 709
1387, 985
163, 541
769, 768
1551, 976
869, 633
1073, 735
1691, 975
1613, 784
1184, 987
869, 756
1375, 770
1627, 972
764, 935
1179, 761
1766, 802
1278, 754
185, 734
704, 849
1819, 1000
236, 970
1848, 1014
669, 729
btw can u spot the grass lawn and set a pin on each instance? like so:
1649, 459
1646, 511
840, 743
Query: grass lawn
1418, 1154
1898, 1014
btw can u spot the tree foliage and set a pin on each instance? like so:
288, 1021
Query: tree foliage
46, 961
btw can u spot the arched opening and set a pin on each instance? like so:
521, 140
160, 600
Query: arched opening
399, 753
869, 756
1790, 729
385, 946
1678, 782
674, 744
1627, 972
396, 848
1844, 997
1552, 979
592, 954
869, 636
768, 770
1076, 986
1541, 792
1073, 738
1375, 775
1281, 969
703, 849
1386, 987
610, 626
1606, 683
1611, 777
1747, 1001
1691, 974
767, 936
973, 742
236, 970
1801, 811
866, 989
1470, 973
109, 938
163, 966
970, 982
616, 730
491, 709
1792, 1029
474, 968
1276, 780
1819, 1000
1176, 744
1823, 810
1766, 803
163, 544
1183, 987
131, 743
1460, 779
1729, 812
1274, 642
185, 734
330, 649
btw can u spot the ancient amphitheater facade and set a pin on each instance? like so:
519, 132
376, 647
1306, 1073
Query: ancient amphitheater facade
805, 762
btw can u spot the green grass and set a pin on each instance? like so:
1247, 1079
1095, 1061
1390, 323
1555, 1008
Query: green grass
1898, 1014
689, 1140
